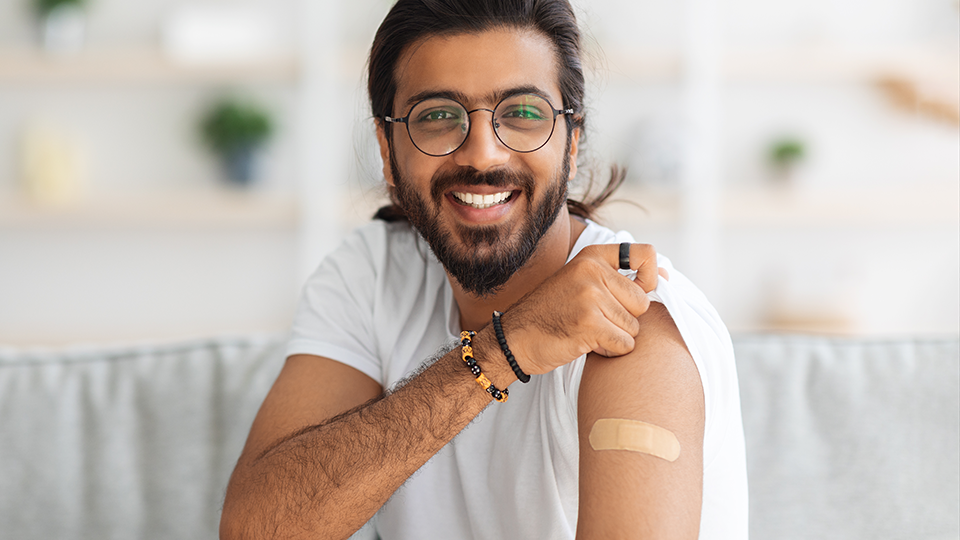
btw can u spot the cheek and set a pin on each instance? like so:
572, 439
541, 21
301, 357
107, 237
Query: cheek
413, 164
549, 159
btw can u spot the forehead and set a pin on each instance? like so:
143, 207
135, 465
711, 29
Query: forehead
480, 67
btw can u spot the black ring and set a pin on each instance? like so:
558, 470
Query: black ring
625, 256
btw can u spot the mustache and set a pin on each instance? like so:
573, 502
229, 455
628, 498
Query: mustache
465, 176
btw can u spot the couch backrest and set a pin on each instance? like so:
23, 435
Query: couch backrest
134, 442
851, 439
845, 438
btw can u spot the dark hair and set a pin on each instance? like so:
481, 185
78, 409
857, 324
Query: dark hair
412, 20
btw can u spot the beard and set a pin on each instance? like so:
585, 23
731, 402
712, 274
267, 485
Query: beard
486, 256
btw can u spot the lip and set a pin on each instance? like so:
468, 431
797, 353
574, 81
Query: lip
484, 216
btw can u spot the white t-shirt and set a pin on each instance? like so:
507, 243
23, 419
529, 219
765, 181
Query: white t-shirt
381, 303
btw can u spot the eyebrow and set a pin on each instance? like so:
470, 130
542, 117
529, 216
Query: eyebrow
492, 98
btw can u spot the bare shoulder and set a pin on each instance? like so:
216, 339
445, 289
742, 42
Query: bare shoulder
658, 377
625, 490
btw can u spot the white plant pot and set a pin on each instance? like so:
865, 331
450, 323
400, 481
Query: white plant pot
63, 30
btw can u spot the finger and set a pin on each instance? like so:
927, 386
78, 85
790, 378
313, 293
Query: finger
642, 256
663, 273
615, 342
643, 259
616, 313
626, 293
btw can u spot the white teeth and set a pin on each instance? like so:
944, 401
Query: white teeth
481, 201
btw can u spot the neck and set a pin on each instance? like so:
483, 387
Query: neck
550, 256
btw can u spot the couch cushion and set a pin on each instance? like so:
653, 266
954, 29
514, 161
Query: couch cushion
134, 442
845, 438
851, 439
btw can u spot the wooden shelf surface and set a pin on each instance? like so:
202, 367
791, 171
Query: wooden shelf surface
792, 208
191, 211
814, 64
135, 66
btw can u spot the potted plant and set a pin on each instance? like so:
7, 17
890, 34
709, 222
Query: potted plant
786, 154
62, 25
236, 131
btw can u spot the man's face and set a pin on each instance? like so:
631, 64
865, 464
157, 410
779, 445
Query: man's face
479, 243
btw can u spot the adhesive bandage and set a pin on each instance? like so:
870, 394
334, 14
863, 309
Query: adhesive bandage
635, 436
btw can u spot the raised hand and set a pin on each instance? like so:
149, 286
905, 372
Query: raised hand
586, 306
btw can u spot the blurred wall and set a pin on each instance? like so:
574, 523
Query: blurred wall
860, 236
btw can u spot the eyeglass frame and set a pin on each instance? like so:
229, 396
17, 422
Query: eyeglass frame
405, 120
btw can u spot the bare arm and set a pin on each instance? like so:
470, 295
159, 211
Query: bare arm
327, 479
309, 469
626, 494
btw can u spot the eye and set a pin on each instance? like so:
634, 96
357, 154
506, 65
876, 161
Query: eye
437, 115
524, 112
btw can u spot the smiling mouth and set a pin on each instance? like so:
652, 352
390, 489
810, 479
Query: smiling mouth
475, 200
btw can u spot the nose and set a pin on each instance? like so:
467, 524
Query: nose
482, 150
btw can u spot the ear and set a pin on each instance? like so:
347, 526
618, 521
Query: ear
574, 145
384, 153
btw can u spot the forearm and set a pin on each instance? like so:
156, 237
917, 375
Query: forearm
327, 480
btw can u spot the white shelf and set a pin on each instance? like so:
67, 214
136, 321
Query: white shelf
774, 207
186, 210
143, 66
641, 206
919, 206
806, 64
813, 64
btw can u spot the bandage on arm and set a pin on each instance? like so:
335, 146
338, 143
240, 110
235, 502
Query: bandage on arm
641, 438
634, 436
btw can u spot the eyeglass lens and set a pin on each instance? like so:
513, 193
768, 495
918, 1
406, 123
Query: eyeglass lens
523, 122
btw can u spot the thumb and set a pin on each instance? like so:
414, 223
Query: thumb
643, 259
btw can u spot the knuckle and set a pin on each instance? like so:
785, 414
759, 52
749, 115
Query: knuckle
643, 303
633, 326
621, 344
642, 309
583, 297
594, 296
594, 318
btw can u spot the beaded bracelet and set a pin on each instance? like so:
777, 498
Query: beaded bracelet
482, 380
498, 328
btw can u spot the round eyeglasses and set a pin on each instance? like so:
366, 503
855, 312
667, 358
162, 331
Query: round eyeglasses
438, 126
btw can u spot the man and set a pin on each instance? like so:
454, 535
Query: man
629, 425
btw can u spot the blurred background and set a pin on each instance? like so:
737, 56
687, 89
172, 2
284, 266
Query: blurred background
172, 169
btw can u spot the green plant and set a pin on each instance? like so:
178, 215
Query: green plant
232, 125
44, 7
786, 152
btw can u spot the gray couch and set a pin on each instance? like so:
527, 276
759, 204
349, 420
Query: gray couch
846, 438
